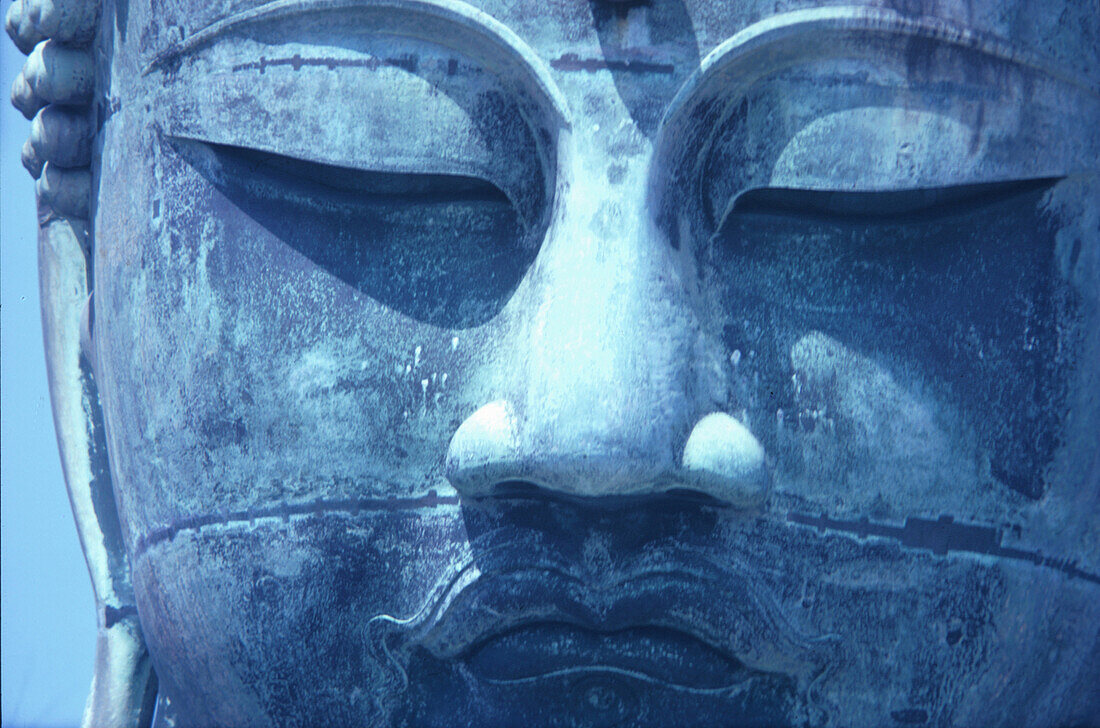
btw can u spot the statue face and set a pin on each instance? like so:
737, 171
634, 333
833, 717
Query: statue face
612, 364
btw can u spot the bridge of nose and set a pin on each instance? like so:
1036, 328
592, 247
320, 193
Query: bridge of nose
603, 356
605, 382
608, 384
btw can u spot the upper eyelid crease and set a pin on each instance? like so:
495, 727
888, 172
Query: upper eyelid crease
879, 205
420, 244
737, 67
379, 185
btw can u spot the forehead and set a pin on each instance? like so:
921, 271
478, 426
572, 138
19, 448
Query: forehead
933, 93
672, 35
624, 66
546, 26
619, 69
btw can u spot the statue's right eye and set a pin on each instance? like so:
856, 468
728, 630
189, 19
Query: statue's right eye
405, 151
444, 249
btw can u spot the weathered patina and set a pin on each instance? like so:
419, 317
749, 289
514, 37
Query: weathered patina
646, 363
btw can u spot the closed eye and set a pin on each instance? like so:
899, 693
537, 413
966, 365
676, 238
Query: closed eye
322, 184
444, 249
867, 206
955, 285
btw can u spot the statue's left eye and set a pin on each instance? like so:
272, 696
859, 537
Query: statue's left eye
921, 205
444, 249
958, 287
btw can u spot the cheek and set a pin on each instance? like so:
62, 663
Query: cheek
275, 435
244, 385
240, 373
290, 614
871, 442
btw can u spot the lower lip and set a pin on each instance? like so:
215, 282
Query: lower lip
660, 654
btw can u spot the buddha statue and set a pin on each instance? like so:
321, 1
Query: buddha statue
592, 363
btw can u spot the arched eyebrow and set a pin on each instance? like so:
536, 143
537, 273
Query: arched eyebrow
915, 49
405, 17
753, 45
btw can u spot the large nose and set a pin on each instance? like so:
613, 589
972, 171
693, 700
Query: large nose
608, 391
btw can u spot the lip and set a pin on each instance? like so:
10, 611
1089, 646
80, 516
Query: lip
687, 627
653, 653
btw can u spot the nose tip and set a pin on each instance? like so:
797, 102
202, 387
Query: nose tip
493, 446
721, 459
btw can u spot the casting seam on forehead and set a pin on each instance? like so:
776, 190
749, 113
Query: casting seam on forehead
459, 13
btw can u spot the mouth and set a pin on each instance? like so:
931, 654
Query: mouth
671, 628
653, 653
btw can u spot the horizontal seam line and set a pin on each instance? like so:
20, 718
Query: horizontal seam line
987, 540
285, 511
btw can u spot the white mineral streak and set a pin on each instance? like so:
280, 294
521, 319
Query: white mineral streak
123, 682
123, 677
86, 318
64, 277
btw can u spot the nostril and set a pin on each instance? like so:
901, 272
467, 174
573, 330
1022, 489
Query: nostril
723, 459
723, 464
516, 489
689, 496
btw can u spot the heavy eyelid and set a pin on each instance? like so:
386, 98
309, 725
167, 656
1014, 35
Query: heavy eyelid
415, 131
864, 205
375, 185
731, 71
449, 25
410, 166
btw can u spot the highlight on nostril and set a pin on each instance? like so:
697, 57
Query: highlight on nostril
483, 450
723, 459
722, 463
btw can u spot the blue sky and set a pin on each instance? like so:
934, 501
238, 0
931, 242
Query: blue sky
47, 617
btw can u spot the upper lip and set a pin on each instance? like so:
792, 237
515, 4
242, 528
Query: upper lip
679, 593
